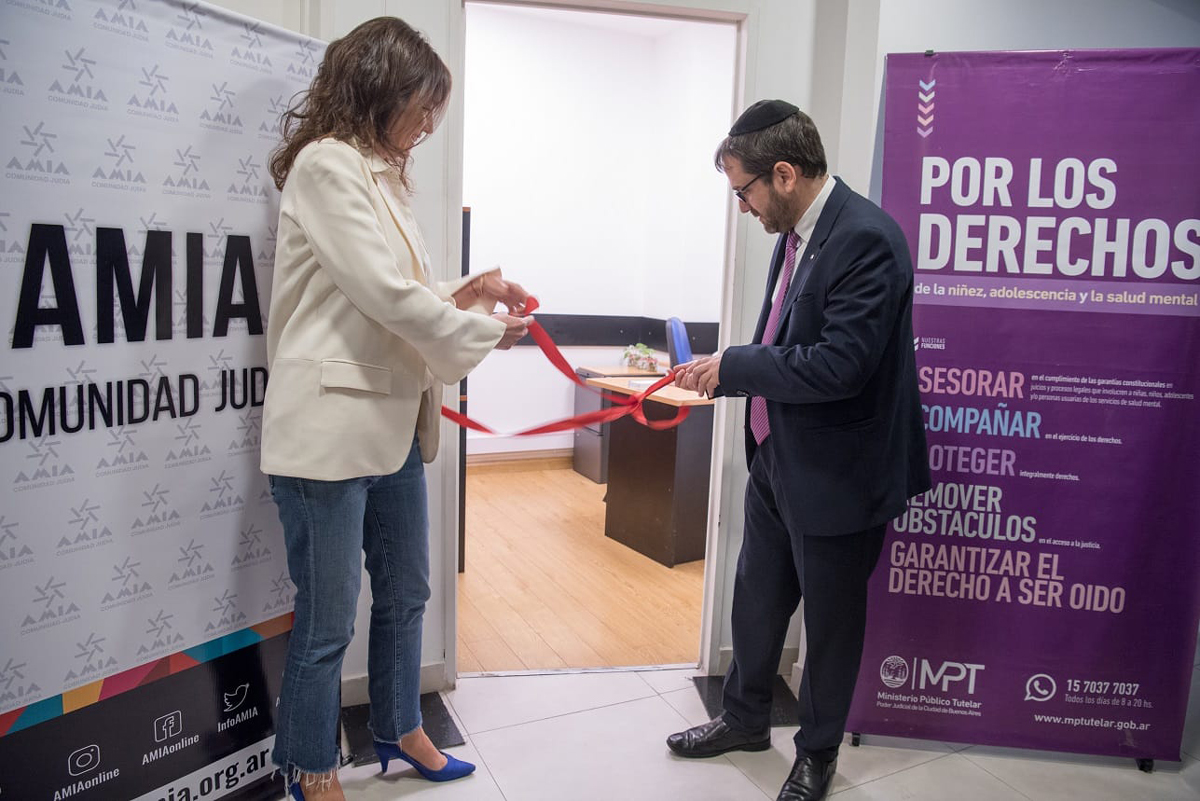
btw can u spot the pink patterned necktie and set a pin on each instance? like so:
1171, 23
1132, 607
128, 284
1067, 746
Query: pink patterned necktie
758, 406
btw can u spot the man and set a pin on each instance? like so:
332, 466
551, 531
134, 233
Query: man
834, 437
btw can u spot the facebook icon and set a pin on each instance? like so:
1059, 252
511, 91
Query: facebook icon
168, 726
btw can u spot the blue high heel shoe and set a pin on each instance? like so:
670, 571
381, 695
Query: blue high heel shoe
454, 769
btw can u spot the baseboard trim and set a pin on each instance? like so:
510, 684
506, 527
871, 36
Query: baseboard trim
354, 689
548, 459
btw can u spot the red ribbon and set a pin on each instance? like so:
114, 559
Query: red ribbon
622, 404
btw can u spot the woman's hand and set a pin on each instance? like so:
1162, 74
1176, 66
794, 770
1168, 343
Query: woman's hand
510, 293
516, 328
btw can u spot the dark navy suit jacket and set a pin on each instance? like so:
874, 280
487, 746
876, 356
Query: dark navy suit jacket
840, 380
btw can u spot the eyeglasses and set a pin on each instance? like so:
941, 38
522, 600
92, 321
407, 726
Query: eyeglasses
740, 193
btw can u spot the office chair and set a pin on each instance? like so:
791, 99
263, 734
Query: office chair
679, 350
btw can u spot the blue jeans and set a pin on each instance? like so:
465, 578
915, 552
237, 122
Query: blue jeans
325, 526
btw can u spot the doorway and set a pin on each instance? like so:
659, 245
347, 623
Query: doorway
588, 144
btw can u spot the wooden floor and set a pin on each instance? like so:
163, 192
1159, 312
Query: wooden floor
544, 588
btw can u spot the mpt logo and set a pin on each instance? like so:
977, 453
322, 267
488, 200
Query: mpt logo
945, 674
924, 674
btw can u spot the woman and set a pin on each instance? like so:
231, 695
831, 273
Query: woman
359, 344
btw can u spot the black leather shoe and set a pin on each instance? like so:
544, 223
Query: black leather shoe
715, 737
809, 780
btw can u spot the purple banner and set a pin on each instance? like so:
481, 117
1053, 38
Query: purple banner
1046, 592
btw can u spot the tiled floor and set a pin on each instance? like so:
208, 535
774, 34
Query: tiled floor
600, 735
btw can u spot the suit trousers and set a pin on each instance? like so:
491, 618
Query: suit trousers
777, 568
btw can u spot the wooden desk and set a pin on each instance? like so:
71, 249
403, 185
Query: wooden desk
657, 500
589, 454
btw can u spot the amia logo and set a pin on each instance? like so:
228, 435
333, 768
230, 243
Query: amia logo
282, 594
90, 662
250, 53
220, 113
222, 497
49, 607
10, 78
118, 171
14, 551
269, 127
76, 83
37, 160
89, 530
251, 549
15, 689
44, 467
923, 674
228, 616
151, 98
191, 568
160, 637
187, 32
304, 61
186, 179
188, 448
122, 454
121, 17
157, 513
129, 585
249, 186
59, 9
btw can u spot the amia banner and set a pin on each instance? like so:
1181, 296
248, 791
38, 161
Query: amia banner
1045, 592
144, 593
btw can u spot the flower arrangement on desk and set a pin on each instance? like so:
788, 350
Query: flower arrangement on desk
640, 357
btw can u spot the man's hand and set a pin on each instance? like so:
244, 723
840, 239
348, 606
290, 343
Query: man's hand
517, 327
701, 375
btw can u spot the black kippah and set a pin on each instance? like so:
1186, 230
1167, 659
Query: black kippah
762, 114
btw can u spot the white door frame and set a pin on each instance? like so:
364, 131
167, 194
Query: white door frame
769, 62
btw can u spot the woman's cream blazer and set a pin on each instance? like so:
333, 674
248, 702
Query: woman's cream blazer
359, 340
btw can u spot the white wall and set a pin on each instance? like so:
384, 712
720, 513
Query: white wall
587, 167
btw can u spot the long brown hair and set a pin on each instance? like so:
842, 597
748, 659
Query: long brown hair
380, 72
